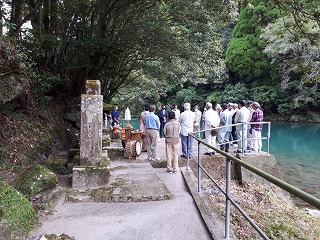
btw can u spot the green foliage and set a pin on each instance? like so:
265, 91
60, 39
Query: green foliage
245, 56
188, 95
296, 53
181, 36
16, 213
62, 170
135, 95
281, 231
43, 83
230, 94
246, 60
268, 95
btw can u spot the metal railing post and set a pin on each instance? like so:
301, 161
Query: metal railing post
188, 150
242, 138
199, 169
228, 182
187, 163
268, 137
188, 146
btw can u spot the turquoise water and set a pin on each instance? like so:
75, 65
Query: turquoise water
296, 147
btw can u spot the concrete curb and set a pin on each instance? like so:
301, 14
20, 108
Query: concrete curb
213, 221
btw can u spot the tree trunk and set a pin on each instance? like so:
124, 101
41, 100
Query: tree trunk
1, 18
16, 16
54, 16
45, 18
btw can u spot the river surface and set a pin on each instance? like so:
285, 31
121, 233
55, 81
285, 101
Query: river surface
296, 147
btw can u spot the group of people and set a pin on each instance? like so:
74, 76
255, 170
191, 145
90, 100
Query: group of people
246, 134
217, 122
173, 126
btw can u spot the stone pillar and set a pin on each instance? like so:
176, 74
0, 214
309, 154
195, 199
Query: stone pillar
91, 130
93, 87
94, 166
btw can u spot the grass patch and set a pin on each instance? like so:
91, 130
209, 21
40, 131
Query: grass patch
17, 215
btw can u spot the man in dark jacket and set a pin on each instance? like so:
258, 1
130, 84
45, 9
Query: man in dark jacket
163, 116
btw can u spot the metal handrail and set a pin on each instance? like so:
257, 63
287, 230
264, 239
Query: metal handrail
283, 185
241, 124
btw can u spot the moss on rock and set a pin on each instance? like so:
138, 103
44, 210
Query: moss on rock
57, 164
57, 237
36, 179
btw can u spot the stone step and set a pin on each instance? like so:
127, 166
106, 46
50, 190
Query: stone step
130, 181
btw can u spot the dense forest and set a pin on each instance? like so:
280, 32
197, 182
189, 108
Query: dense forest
162, 52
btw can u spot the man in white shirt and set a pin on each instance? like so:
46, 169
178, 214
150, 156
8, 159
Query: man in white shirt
176, 112
186, 120
242, 116
197, 120
212, 120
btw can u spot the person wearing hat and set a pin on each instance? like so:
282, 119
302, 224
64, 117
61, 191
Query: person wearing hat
257, 116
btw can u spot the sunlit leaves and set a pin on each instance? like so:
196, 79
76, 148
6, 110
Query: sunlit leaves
297, 55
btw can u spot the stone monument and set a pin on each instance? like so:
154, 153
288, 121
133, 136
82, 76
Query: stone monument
94, 163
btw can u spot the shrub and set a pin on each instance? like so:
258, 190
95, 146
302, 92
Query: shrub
17, 215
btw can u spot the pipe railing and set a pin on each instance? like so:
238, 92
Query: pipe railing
229, 200
267, 137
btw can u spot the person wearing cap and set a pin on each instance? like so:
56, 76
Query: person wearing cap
242, 116
257, 116
186, 121
212, 120
218, 108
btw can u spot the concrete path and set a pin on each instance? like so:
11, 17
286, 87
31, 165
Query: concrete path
177, 217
